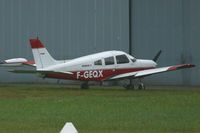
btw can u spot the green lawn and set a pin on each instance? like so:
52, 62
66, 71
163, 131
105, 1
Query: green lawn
46, 108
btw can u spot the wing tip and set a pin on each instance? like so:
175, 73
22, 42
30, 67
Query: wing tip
182, 66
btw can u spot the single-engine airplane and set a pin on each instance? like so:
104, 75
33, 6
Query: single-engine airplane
103, 66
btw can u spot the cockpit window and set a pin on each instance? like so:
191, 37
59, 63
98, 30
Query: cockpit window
109, 61
122, 59
98, 62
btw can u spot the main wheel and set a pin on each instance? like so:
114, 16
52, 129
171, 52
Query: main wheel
141, 86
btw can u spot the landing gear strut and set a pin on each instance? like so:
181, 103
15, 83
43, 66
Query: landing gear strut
85, 85
141, 85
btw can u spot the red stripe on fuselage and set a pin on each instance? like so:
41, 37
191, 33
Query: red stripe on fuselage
94, 75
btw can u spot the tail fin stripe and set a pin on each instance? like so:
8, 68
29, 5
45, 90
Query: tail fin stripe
35, 43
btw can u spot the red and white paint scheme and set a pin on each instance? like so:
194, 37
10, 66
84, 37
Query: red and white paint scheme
103, 66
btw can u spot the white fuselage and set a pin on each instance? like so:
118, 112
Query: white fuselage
100, 66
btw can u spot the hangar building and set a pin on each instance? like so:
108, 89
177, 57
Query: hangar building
73, 28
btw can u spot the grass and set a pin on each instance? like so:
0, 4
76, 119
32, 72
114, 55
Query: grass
46, 108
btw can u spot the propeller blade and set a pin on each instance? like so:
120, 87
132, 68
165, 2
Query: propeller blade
157, 56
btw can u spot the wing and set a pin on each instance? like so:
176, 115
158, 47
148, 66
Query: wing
39, 72
144, 73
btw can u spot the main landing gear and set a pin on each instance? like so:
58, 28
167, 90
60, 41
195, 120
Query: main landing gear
130, 86
84, 85
141, 86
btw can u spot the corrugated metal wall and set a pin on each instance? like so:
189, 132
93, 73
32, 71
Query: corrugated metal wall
72, 28
68, 28
174, 27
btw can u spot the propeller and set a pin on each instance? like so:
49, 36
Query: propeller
157, 56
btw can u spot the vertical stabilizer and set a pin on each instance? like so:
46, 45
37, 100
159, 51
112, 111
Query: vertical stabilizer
41, 55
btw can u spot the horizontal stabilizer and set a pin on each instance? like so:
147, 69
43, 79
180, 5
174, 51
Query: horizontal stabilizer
30, 63
15, 62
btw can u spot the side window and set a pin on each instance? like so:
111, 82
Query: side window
98, 62
109, 61
121, 59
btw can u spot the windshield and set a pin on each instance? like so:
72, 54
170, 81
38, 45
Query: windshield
133, 59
